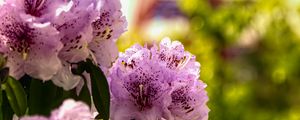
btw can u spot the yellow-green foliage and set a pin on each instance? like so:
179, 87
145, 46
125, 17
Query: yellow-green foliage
249, 52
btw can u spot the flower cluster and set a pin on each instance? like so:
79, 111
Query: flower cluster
157, 83
42, 38
47, 39
69, 110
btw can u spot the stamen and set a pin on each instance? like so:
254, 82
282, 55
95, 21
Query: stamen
183, 62
24, 55
32, 8
141, 90
39, 5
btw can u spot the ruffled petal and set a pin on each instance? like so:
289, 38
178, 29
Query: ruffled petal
69, 110
72, 110
34, 118
127, 111
189, 102
83, 4
105, 52
107, 27
16, 65
29, 46
124, 111
110, 23
43, 61
82, 82
76, 31
65, 78
10, 28
37, 10
118, 91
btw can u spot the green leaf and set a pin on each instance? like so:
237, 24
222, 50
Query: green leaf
2, 61
16, 96
61, 96
6, 112
79, 69
85, 95
5, 109
3, 77
3, 74
1, 98
42, 96
100, 90
1, 101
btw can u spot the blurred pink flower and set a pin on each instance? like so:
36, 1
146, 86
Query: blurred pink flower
69, 110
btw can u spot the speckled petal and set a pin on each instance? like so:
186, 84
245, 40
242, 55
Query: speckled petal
105, 52
189, 102
29, 46
43, 61
127, 111
157, 83
110, 23
37, 10
107, 28
76, 31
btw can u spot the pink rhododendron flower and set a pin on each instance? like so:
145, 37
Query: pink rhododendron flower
157, 83
90, 28
69, 110
31, 48
74, 25
107, 28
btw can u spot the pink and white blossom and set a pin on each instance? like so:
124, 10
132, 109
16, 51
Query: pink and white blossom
31, 48
161, 82
89, 29
69, 110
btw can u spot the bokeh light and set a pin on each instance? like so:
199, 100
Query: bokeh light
249, 50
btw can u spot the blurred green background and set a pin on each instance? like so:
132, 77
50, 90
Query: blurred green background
249, 50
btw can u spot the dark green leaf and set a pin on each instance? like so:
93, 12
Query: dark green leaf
1, 102
45, 96
100, 90
16, 95
42, 96
25, 82
1, 99
61, 95
3, 74
6, 113
79, 69
85, 95
2, 61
